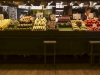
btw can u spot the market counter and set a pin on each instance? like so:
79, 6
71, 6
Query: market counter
31, 42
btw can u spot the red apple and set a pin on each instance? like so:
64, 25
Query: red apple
93, 21
89, 21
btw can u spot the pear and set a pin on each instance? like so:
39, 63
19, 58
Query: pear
38, 27
43, 23
35, 27
35, 23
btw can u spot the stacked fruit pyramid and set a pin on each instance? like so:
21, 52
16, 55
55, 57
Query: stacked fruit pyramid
51, 24
26, 23
78, 25
26, 19
40, 24
92, 24
4, 23
12, 25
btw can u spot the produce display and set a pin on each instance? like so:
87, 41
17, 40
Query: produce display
64, 22
52, 17
51, 24
92, 28
78, 25
64, 19
90, 22
26, 19
16, 26
25, 27
12, 25
4, 23
40, 24
25, 23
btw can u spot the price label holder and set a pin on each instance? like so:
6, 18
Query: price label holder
39, 15
94, 25
76, 16
1, 17
91, 15
53, 17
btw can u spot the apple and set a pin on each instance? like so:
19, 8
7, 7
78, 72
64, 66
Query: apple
93, 21
85, 20
68, 23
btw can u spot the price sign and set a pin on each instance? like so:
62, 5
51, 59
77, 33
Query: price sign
76, 16
53, 17
91, 15
94, 25
39, 15
1, 16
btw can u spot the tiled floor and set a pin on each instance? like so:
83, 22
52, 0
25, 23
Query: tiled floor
49, 69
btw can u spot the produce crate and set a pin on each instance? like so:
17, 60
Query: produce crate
52, 30
66, 29
64, 26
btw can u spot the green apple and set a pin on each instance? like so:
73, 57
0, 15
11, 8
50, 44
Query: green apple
62, 23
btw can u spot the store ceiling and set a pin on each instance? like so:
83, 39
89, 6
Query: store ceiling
49, 0
66, 0
11, 0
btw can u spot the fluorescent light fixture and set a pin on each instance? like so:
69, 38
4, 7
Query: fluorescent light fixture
94, 3
56, 19
36, 7
24, 7
75, 7
50, 3
59, 10
81, 5
31, 7
59, 5
58, 15
71, 4
48, 7
4, 6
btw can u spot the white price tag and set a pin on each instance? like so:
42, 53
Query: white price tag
39, 15
76, 16
1, 16
91, 15
94, 25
